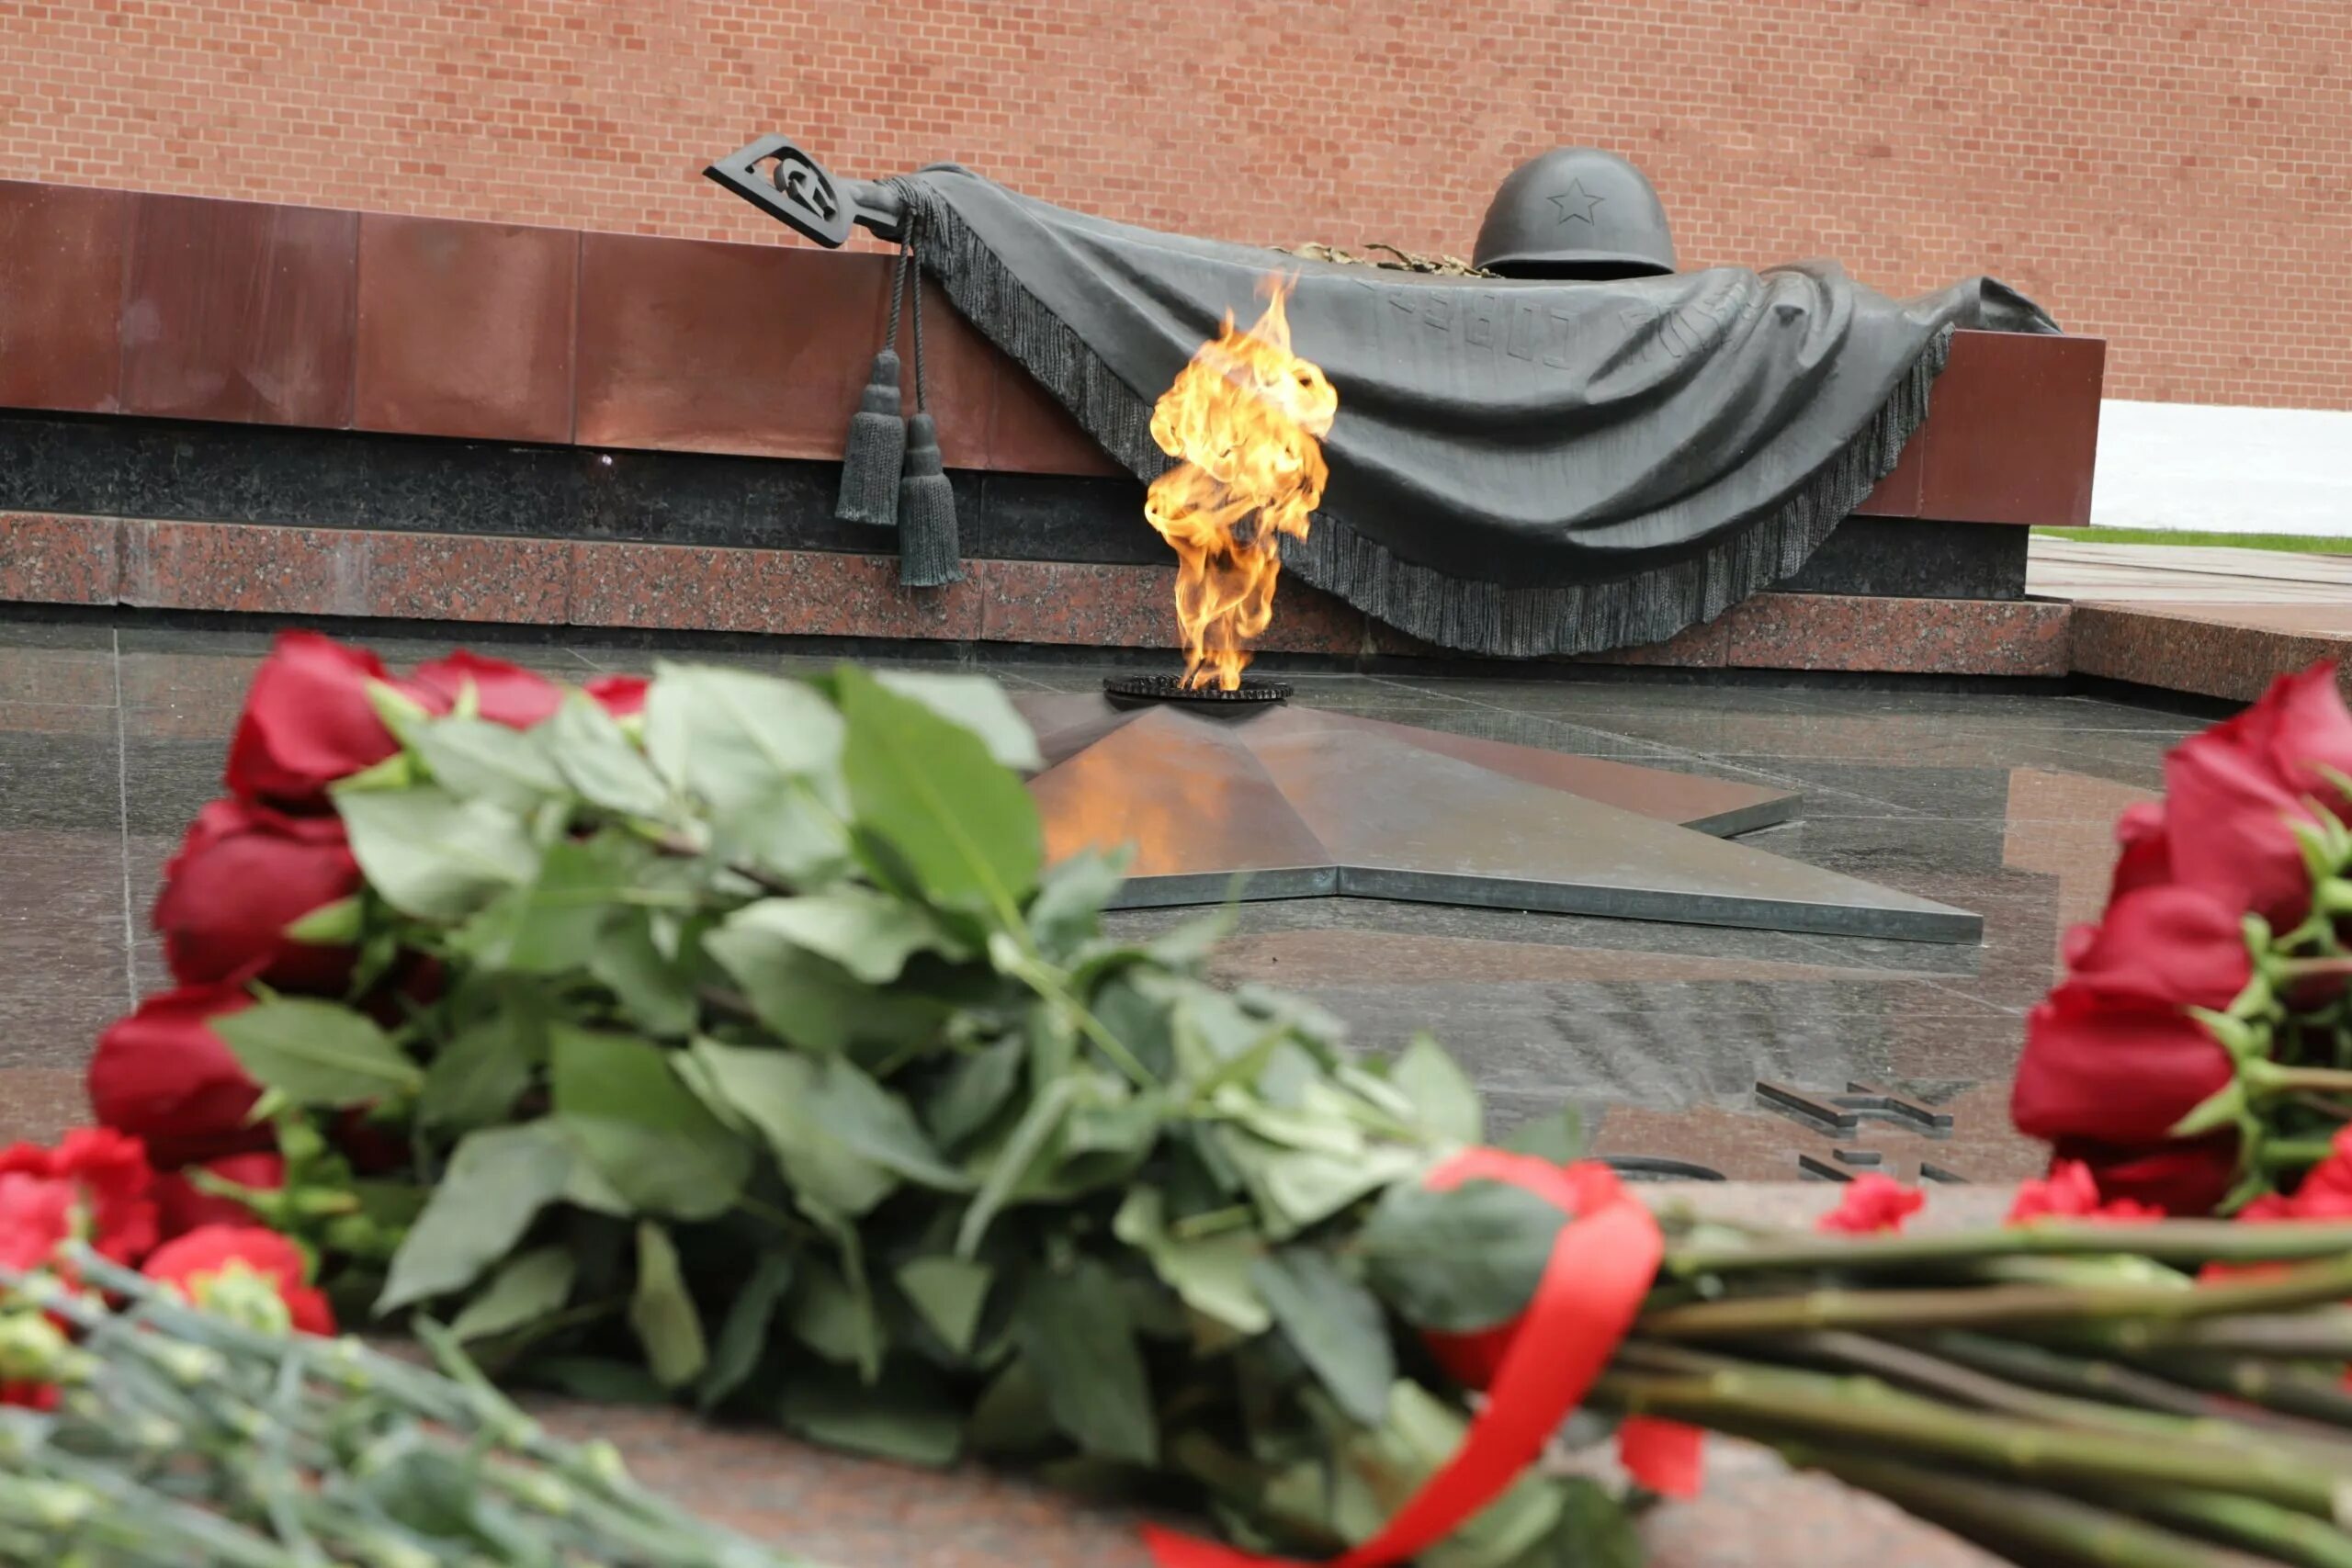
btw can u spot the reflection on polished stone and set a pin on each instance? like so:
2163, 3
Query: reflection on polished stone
112, 737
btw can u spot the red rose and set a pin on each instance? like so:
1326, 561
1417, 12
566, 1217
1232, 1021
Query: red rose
2071, 1192
620, 695
162, 1075
1872, 1203
182, 1206
36, 1217
107, 1175
309, 721
506, 693
2232, 791
2146, 858
2324, 1193
2112, 1055
199, 1263
244, 873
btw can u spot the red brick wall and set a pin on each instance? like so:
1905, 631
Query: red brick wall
2176, 174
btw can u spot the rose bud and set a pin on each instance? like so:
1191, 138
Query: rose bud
506, 693
164, 1075
309, 721
243, 875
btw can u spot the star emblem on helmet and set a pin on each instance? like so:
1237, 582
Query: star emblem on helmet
1576, 202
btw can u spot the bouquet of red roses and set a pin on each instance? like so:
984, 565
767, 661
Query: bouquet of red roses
2198, 1056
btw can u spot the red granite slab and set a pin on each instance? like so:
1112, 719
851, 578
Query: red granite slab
448, 577
783, 593
259, 569
757, 349
1134, 606
2233, 651
62, 255
1032, 433
58, 560
465, 329
239, 310
2018, 423
1946, 636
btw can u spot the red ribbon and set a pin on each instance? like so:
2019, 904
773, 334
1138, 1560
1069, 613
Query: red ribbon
1535, 1370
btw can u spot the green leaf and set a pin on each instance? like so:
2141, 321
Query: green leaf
962, 823
432, 856
776, 1092
814, 1002
339, 924
876, 1123
662, 1315
1334, 1324
527, 1288
1558, 1137
869, 934
476, 760
656, 992
1210, 1274
974, 1091
1074, 1328
1016, 1163
1068, 911
1458, 1261
486, 1066
594, 756
976, 703
743, 1337
316, 1052
641, 1129
908, 1416
733, 738
549, 925
1445, 1100
949, 1292
1296, 1188
595, 1379
832, 1313
497, 1183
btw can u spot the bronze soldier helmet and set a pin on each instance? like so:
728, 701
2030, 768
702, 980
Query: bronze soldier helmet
1575, 212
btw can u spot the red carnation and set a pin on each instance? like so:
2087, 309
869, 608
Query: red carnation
243, 875
198, 1263
2232, 790
309, 721
620, 695
107, 1176
2071, 1192
506, 693
163, 1076
182, 1206
1872, 1203
36, 1218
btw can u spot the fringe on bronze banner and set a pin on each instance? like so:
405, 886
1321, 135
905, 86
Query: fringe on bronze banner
1491, 618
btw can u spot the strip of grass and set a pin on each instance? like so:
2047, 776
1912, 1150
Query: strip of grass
2296, 544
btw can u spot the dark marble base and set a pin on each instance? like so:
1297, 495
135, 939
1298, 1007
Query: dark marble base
173, 470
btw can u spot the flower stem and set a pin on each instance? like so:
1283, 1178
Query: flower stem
2174, 1241
1999, 1305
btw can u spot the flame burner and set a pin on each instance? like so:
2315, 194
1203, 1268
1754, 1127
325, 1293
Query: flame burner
1127, 691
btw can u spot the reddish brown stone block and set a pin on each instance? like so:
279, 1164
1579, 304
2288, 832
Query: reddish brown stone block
2016, 419
2218, 650
58, 560
1940, 637
465, 329
783, 593
701, 347
1704, 646
1897, 495
1134, 606
1033, 433
258, 569
453, 577
242, 311
61, 259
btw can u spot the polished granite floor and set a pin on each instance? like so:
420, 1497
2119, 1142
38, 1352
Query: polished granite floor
111, 736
